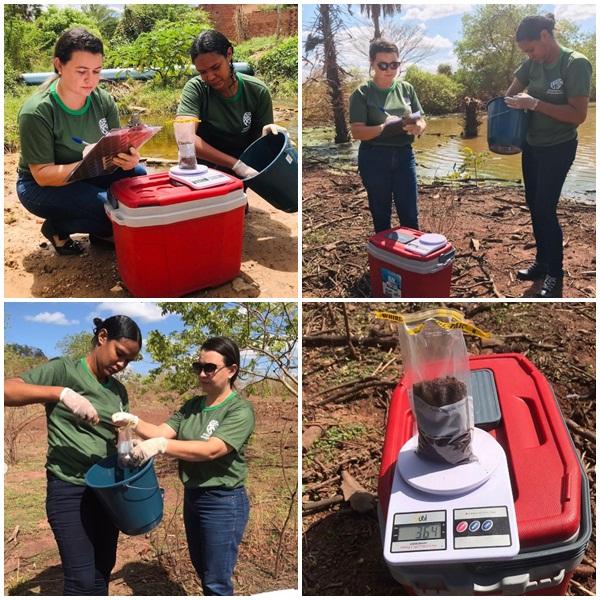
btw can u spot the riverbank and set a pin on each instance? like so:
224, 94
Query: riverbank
33, 270
489, 227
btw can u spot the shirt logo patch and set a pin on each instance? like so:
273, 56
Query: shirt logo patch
210, 429
247, 121
103, 124
556, 86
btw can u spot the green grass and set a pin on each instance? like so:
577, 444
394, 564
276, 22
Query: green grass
26, 509
12, 104
334, 439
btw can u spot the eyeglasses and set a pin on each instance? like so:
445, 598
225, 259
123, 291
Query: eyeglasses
209, 368
384, 66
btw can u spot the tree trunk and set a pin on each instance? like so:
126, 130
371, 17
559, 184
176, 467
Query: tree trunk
471, 124
332, 75
376, 22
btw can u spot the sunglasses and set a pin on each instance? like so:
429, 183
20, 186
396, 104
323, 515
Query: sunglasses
208, 368
384, 66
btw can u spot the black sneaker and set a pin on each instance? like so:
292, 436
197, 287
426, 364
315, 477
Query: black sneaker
532, 273
551, 288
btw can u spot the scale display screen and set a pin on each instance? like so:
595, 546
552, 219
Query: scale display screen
429, 531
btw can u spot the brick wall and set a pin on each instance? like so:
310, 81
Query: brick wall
256, 23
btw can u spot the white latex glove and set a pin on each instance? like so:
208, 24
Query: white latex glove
243, 170
125, 419
144, 451
81, 407
522, 101
273, 129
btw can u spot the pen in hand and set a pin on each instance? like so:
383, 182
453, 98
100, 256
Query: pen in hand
78, 140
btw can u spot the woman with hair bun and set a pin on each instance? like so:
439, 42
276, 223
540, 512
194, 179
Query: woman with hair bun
67, 110
209, 435
234, 109
558, 83
80, 398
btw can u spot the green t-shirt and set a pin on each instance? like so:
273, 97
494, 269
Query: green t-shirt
74, 446
569, 76
47, 127
231, 421
399, 100
228, 124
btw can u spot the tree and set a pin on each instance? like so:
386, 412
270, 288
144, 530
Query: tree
55, 21
105, 18
76, 345
327, 25
438, 94
375, 11
488, 53
166, 49
267, 334
444, 69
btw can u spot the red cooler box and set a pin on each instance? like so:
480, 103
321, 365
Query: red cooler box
515, 403
172, 240
406, 263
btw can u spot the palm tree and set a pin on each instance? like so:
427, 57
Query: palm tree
375, 11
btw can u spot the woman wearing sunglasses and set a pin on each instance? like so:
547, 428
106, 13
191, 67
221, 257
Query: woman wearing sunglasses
80, 397
208, 435
385, 117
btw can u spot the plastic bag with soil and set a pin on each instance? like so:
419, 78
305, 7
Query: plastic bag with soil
439, 381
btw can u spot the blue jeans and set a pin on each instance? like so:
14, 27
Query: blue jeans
86, 537
545, 169
389, 173
74, 208
215, 520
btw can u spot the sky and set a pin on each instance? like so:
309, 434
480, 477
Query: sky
43, 324
442, 27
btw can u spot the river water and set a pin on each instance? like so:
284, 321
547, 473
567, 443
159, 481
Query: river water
438, 153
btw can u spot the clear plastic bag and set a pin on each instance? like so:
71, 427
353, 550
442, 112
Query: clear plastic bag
185, 133
439, 381
124, 447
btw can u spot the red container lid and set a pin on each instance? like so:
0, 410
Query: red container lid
390, 241
544, 467
157, 189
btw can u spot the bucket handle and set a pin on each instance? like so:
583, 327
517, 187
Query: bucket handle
112, 199
444, 259
145, 489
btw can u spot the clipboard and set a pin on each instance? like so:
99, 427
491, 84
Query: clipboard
98, 161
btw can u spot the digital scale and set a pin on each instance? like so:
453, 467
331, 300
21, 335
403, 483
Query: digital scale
440, 513
426, 243
199, 178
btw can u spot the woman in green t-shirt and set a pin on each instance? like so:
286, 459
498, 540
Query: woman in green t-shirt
80, 398
234, 109
558, 88
208, 435
57, 126
385, 115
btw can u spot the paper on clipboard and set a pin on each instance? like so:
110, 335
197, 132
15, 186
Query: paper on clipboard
98, 161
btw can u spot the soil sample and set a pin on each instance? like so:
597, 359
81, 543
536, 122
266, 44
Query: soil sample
442, 413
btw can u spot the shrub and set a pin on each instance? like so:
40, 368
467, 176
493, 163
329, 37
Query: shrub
279, 64
438, 94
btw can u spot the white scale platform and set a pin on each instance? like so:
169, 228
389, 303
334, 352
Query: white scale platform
444, 513
199, 178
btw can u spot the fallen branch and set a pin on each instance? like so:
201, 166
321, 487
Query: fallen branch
581, 588
359, 387
311, 435
585, 433
382, 341
318, 505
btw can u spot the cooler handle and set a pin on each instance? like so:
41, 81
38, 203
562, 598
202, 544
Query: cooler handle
112, 199
445, 259
520, 584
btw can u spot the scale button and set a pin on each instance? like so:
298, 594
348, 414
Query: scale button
487, 525
461, 527
474, 526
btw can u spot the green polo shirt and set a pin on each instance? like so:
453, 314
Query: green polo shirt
47, 127
74, 446
399, 100
231, 421
228, 124
569, 76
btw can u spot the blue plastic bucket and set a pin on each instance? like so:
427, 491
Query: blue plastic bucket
276, 161
506, 127
131, 496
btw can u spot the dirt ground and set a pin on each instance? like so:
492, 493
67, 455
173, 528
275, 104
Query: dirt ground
489, 227
346, 392
33, 269
157, 563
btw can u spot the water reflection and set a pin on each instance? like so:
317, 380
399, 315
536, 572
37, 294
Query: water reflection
438, 153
